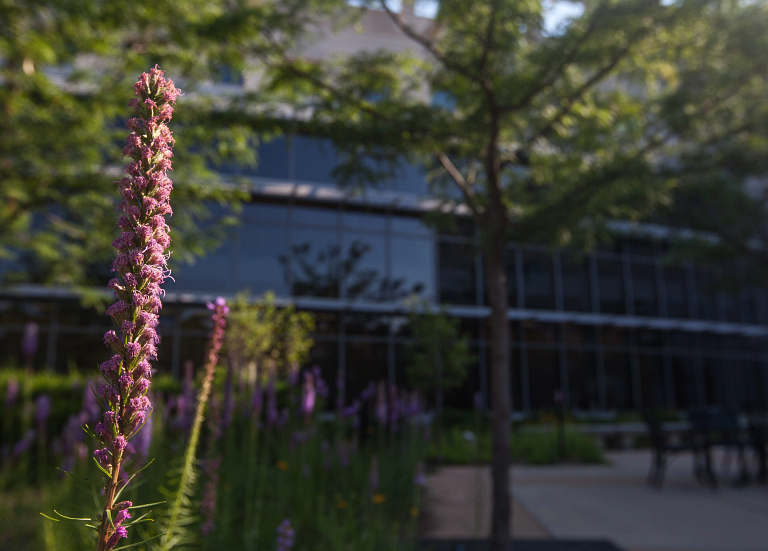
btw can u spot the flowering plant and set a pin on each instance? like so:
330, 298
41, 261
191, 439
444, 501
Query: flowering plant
141, 265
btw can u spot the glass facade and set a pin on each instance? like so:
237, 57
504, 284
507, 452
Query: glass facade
610, 329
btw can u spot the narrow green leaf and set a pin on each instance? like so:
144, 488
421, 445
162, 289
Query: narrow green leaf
146, 505
102, 469
70, 518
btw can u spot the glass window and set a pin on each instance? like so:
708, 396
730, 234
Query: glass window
731, 307
413, 262
212, 273
309, 216
364, 266
457, 273
539, 280
579, 336
685, 378
611, 284
411, 179
677, 292
364, 221
325, 355
644, 289
540, 333
543, 377
576, 289
315, 159
314, 263
652, 381
618, 381
582, 380
510, 265
516, 379
263, 257
415, 226
366, 362
706, 295
265, 212
272, 160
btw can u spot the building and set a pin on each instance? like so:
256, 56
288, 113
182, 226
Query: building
614, 329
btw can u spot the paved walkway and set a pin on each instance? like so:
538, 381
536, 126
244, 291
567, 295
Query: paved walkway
605, 502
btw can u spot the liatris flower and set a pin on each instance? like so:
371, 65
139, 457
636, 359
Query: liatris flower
216, 339
141, 266
285, 536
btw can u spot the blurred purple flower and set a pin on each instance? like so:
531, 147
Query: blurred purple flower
285, 536
272, 412
420, 478
11, 393
23, 445
478, 401
42, 409
381, 402
308, 398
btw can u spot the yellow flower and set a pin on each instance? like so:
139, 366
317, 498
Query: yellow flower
414, 511
341, 504
379, 498
282, 465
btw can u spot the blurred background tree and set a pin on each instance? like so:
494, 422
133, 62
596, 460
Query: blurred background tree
439, 357
264, 339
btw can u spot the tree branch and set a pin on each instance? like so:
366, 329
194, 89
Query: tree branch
548, 76
430, 46
466, 189
569, 102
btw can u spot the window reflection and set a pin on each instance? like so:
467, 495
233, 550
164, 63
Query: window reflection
576, 288
543, 377
309, 216
539, 280
212, 273
582, 379
618, 380
652, 381
413, 262
364, 266
677, 292
457, 273
315, 159
313, 267
706, 295
611, 284
260, 265
644, 289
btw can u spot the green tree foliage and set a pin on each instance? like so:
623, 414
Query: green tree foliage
439, 357
65, 80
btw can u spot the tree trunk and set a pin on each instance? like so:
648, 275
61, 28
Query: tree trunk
496, 281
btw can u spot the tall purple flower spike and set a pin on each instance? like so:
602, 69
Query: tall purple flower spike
141, 266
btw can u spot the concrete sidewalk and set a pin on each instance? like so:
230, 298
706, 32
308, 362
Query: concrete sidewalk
606, 502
